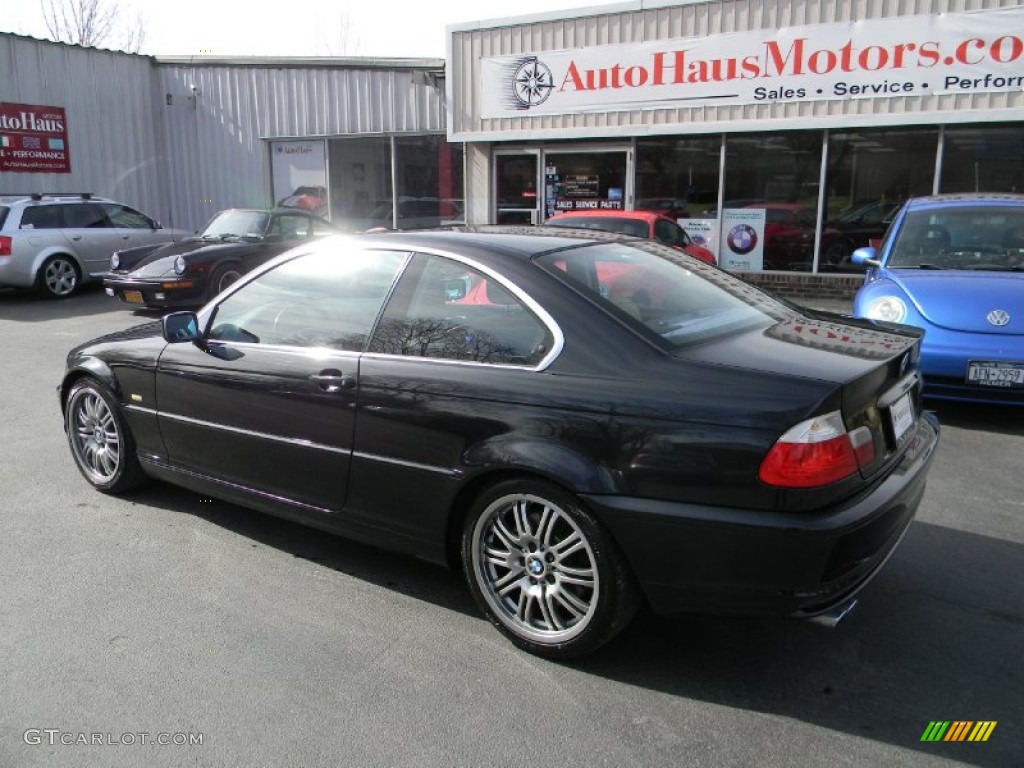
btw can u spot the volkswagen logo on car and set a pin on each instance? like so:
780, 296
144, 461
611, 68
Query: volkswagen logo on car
998, 317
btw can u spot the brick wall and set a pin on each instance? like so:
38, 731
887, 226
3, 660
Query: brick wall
800, 285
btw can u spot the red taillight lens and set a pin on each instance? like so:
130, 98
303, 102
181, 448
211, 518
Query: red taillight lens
5, 245
817, 452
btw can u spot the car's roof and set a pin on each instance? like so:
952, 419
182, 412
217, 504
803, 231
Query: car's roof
604, 214
523, 241
965, 199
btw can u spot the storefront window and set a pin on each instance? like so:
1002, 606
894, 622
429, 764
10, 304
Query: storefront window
359, 170
584, 181
429, 182
770, 202
870, 174
986, 158
678, 177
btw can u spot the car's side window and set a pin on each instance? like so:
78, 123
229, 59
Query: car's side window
291, 227
670, 234
443, 309
322, 299
85, 216
42, 217
321, 228
124, 217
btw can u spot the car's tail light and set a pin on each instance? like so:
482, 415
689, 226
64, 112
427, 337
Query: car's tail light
6, 244
817, 452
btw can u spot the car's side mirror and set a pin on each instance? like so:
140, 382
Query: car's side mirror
180, 326
155, 224
865, 257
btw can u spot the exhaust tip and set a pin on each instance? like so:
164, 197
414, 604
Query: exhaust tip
833, 616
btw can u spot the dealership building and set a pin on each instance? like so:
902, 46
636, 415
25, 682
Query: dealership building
783, 134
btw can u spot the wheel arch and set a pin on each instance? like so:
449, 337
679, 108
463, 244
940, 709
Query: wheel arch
56, 250
89, 368
502, 460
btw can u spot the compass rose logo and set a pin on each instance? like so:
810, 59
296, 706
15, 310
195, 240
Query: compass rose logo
532, 83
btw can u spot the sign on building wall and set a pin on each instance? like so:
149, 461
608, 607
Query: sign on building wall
299, 174
742, 244
33, 139
922, 55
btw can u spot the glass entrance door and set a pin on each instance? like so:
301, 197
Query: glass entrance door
517, 179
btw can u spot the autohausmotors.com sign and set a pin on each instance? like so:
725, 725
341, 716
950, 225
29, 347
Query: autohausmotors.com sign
907, 56
33, 139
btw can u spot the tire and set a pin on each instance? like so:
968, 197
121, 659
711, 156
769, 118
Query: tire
58, 277
101, 443
544, 571
222, 277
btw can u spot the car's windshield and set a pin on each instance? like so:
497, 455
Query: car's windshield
989, 237
672, 295
230, 224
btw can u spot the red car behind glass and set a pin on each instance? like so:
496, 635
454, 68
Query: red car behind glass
646, 224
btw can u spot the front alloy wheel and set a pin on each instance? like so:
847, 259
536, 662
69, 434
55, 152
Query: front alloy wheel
100, 443
544, 571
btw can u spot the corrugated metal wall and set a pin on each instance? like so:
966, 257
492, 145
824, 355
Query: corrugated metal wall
214, 134
113, 133
696, 19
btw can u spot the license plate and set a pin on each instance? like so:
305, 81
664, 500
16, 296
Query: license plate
135, 297
991, 373
902, 414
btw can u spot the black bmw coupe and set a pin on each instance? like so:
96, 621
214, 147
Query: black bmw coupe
580, 423
192, 271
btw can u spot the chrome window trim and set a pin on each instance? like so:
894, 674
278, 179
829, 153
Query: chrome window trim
447, 361
545, 319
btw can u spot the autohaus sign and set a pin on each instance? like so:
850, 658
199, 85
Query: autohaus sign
33, 139
904, 56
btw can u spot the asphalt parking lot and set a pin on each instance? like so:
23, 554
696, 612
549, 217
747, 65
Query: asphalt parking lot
166, 614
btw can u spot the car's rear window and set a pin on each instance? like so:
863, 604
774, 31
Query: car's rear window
3, 215
675, 297
632, 227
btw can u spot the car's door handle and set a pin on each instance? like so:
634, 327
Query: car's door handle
125, 237
333, 380
76, 237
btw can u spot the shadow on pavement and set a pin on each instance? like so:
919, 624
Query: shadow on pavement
936, 636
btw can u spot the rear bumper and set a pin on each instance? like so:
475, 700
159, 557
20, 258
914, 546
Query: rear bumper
755, 563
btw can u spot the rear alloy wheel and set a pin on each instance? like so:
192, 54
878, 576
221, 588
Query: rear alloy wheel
544, 571
58, 277
103, 448
222, 278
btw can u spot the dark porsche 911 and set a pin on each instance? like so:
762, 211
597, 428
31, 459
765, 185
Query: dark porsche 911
606, 423
192, 271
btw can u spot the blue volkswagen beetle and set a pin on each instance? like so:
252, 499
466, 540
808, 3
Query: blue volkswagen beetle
954, 265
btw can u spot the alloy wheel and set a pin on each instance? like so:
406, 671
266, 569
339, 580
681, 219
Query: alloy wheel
536, 568
95, 438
